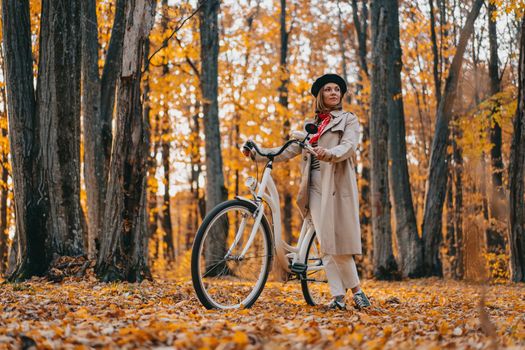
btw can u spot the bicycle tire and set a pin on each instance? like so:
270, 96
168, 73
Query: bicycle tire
307, 283
198, 246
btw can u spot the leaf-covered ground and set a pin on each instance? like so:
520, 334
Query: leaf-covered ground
422, 314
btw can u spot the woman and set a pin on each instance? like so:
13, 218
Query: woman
328, 189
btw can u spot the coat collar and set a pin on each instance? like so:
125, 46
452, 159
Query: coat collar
335, 123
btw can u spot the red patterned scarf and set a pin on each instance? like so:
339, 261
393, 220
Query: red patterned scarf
325, 119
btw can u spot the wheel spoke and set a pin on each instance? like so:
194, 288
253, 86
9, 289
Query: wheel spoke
231, 280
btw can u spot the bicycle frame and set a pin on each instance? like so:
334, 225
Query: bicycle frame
267, 191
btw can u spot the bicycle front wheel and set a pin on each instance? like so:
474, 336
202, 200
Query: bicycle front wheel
230, 260
314, 283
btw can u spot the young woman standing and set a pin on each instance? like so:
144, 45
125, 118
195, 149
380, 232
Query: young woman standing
328, 190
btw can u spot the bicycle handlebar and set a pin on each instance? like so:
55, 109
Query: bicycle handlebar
251, 145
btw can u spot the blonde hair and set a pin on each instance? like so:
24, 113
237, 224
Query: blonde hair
320, 106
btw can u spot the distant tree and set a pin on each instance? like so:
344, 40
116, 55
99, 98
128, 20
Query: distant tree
437, 179
516, 175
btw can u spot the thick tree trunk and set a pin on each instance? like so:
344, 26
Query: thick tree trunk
516, 176
385, 266
27, 257
409, 243
58, 110
437, 180
123, 253
215, 190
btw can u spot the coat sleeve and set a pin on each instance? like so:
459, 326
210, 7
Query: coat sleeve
290, 152
347, 147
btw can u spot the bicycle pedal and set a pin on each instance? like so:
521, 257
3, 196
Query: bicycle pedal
298, 268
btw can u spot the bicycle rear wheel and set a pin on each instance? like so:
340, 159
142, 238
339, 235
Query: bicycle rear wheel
222, 277
315, 283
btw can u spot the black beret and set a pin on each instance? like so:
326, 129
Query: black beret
328, 78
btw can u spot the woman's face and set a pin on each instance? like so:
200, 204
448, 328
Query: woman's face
331, 95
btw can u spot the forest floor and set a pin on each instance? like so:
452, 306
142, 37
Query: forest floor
422, 314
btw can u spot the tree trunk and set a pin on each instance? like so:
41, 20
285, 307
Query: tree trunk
516, 175
27, 256
123, 253
165, 145
283, 102
215, 190
166, 205
98, 100
94, 175
435, 69
4, 187
58, 110
498, 203
437, 180
361, 32
457, 156
360, 25
409, 243
385, 266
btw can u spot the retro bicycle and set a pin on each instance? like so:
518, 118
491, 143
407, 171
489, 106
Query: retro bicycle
235, 245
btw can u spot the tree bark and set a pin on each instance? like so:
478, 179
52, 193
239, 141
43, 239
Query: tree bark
435, 69
166, 205
4, 187
516, 175
361, 32
123, 253
437, 180
215, 190
385, 266
457, 156
495, 239
409, 243
94, 162
165, 145
361, 25
27, 256
283, 102
58, 110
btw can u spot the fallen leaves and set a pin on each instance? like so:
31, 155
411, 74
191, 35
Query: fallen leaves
422, 314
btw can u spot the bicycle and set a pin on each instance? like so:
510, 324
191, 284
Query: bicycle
234, 247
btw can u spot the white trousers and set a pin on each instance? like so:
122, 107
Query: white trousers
341, 270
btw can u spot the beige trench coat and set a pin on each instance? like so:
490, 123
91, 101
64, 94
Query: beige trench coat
341, 232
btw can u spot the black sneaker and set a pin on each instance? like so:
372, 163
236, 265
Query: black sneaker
360, 299
337, 302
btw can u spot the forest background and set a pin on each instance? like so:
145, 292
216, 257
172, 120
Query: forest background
120, 128
440, 132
